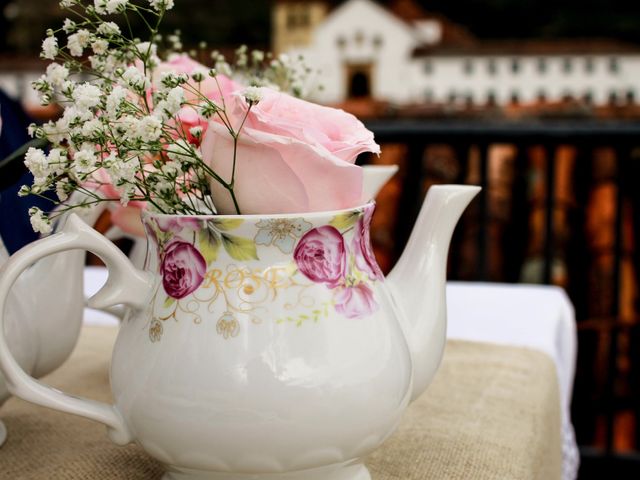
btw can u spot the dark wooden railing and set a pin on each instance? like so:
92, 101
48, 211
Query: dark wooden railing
606, 401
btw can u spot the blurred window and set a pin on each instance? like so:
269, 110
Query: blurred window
541, 96
613, 98
428, 67
631, 97
567, 65
467, 66
492, 67
452, 97
542, 65
515, 65
589, 65
588, 98
428, 96
514, 98
614, 65
491, 98
469, 100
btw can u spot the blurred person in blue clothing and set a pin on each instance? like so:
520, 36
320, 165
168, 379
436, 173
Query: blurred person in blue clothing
15, 228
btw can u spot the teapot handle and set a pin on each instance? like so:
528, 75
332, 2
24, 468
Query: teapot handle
125, 285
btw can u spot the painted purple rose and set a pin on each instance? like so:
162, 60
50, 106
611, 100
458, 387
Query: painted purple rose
355, 302
321, 257
361, 245
183, 269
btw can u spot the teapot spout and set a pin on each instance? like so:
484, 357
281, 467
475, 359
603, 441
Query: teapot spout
417, 282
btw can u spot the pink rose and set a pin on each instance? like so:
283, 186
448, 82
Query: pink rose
321, 257
183, 268
292, 156
361, 246
355, 302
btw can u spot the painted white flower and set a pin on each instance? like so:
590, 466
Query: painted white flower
49, 48
282, 233
86, 96
39, 221
149, 128
161, 4
100, 46
108, 29
57, 75
77, 42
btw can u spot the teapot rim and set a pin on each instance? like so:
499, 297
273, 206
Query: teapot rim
257, 216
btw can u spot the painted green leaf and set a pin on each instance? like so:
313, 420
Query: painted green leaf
239, 248
226, 224
209, 244
168, 302
345, 220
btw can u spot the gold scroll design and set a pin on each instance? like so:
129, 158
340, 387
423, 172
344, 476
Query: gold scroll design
238, 291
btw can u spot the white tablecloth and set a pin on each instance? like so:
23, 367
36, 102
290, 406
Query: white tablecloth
538, 317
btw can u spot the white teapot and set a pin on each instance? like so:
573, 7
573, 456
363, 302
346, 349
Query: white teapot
261, 346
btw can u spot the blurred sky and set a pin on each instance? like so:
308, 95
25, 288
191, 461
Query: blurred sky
232, 22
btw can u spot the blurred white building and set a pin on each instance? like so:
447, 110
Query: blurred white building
399, 53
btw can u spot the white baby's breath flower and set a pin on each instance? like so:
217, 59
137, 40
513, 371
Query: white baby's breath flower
108, 29
134, 78
62, 189
252, 95
36, 161
114, 101
69, 26
149, 129
116, 5
86, 96
57, 75
100, 46
77, 42
100, 6
160, 5
196, 131
84, 161
49, 48
39, 221
181, 151
68, 3
171, 169
92, 128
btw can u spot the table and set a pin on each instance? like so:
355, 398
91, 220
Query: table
492, 413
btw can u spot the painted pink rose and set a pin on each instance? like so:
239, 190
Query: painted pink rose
361, 247
183, 268
292, 156
177, 224
355, 302
321, 256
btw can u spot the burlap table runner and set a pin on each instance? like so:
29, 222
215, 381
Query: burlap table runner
493, 412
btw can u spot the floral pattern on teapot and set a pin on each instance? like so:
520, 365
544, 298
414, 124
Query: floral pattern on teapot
218, 263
